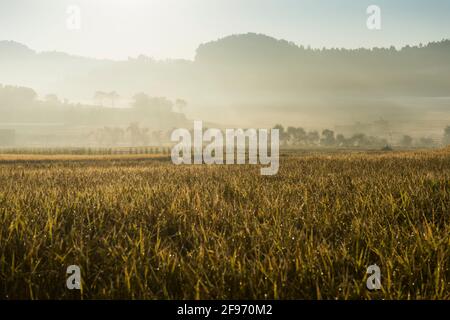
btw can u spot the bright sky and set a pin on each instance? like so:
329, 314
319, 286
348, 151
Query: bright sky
174, 28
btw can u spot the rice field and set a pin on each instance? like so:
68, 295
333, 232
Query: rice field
140, 227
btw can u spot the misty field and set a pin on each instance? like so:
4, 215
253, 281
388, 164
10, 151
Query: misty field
140, 227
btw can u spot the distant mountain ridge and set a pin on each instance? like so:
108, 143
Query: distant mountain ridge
14, 49
247, 70
234, 44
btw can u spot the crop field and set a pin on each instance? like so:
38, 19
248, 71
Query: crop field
140, 227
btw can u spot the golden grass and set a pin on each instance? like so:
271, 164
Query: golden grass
141, 227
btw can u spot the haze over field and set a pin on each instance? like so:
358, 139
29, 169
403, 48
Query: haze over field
402, 76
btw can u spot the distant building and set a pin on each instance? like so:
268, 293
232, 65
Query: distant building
7, 137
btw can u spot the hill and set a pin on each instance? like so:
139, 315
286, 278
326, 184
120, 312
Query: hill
249, 74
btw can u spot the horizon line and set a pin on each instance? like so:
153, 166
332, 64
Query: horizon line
167, 59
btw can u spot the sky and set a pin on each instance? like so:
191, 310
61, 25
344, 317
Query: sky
168, 29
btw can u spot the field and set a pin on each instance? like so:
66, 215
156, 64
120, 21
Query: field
140, 227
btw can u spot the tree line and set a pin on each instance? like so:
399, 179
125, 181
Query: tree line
299, 137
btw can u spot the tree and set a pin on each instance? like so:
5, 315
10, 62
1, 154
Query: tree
282, 133
291, 134
358, 140
180, 105
446, 139
99, 96
406, 141
140, 100
12, 97
115, 135
138, 135
341, 141
300, 135
426, 142
328, 138
157, 137
113, 96
156, 105
108, 136
52, 99
135, 132
313, 138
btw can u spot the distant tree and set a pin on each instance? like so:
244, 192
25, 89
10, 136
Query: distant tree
283, 135
180, 105
291, 134
358, 140
299, 136
116, 134
446, 139
328, 138
280, 128
135, 132
11, 97
155, 106
313, 138
99, 97
113, 97
139, 136
27, 94
52, 99
426, 142
108, 136
406, 141
157, 137
140, 100
341, 141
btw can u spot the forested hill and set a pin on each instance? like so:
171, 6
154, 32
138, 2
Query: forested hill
259, 61
253, 71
